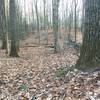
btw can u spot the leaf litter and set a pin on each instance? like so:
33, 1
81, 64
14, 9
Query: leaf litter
41, 75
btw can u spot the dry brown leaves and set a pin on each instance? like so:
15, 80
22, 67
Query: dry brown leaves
33, 75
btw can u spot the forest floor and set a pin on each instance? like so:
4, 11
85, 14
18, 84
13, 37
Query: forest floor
39, 74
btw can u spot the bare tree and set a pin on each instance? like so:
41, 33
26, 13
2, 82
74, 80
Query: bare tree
83, 17
44, 2
12, 13
55, 23
3, 23
75, 18
37, 16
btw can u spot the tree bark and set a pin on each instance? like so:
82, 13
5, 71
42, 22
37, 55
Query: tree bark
4, 42
90, 51
55, 24
75, 25
37, 16
3, 23
44, 1
13, 52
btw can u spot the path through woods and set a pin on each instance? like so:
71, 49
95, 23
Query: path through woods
34, 74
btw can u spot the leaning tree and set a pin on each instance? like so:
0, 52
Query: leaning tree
90, 51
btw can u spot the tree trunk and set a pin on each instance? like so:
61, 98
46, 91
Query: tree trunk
13, 52
90, 51
3, 23
75, 19
7, 43
37, 16
75, 23
55, 24
4, 42
44, 1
